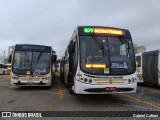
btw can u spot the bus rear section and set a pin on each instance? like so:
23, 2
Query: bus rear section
148, 67
3, 69
32, 65
99, 60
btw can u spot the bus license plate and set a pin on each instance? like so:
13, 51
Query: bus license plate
111, 88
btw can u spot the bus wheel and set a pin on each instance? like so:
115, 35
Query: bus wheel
70, 89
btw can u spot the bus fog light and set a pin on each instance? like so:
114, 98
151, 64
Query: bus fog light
85, 80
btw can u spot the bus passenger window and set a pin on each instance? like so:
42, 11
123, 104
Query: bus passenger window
138, 61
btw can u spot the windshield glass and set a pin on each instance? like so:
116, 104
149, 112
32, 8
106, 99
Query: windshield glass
106, 55
31, 63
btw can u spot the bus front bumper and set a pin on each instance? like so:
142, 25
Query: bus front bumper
30, 83
82, 88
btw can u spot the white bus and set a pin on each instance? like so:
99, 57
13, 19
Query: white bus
99, 60
32, 65
148, 67
3, 69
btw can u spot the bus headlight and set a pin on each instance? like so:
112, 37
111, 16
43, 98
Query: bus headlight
85, 79
15, 77
45, 78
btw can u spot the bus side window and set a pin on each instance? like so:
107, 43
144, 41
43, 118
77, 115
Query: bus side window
138, 61
75, 55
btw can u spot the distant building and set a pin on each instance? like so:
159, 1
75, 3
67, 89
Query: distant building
139, 49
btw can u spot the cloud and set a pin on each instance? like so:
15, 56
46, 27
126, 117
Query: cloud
51, 22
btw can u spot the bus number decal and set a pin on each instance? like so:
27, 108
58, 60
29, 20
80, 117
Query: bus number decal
88, 30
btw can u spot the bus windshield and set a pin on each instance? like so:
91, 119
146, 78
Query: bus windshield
106, 55
31, 63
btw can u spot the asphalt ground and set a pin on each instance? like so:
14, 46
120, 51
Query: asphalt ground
57, 98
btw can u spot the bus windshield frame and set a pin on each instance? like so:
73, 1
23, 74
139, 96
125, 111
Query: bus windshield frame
31, 62
105, 63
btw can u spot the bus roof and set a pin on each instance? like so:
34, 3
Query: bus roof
31, 45
138, 54
102, 27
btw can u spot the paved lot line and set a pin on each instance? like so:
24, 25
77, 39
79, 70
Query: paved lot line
60, 89
142, 101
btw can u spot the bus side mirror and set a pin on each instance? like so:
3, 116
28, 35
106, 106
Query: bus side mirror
55, 58
71, 47
10, 58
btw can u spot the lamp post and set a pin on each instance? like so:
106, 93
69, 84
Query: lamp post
10, 50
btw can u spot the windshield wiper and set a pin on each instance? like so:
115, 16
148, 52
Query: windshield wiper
39, 56
101, 46
123, 40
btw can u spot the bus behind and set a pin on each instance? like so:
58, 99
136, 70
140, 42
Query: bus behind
32, 65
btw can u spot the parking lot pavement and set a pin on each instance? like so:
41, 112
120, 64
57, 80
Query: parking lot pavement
58, 98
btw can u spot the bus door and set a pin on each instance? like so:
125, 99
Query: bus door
72, 63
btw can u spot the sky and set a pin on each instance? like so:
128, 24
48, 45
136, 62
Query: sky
52, 22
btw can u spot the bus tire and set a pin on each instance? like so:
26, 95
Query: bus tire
70, 90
